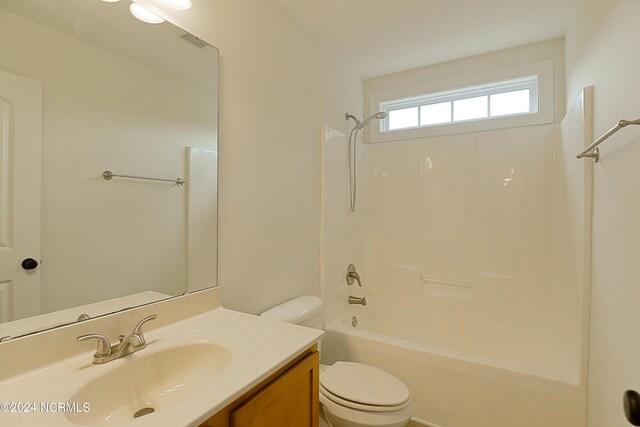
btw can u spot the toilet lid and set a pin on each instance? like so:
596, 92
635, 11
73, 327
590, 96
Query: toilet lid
364, 384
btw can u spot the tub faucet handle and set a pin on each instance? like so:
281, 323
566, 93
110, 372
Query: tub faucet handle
352, 275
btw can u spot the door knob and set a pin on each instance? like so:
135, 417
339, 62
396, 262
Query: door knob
29, 264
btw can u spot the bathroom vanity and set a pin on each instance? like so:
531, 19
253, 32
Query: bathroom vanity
289, 397
203, 366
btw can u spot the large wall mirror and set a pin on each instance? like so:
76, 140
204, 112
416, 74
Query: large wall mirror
86, 88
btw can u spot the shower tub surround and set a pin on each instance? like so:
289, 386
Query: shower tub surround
473, 251
461, 243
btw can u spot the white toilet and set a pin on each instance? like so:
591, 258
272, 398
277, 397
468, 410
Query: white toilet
351, 394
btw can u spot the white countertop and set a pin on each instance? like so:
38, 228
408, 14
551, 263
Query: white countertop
258, 347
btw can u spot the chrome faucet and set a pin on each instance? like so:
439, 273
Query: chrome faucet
105, 352
358, 300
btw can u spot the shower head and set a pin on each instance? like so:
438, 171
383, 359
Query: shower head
379, 116
359, 125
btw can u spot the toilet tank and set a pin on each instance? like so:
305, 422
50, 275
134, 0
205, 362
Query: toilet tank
303, 311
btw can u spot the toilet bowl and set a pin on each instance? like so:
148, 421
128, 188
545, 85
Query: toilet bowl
359, 395
351, 394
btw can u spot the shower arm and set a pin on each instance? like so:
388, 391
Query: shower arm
348, 116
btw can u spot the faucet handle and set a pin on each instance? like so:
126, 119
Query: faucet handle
352, 275
104, 346
138, 329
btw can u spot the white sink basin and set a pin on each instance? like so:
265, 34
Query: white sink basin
191, 369
149, 383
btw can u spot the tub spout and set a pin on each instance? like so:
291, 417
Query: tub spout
358, 300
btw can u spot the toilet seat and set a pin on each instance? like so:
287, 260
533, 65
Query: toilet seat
363, 387
359, 406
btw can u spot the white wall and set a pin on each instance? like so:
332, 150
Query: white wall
104, 239
599, 52
278, 85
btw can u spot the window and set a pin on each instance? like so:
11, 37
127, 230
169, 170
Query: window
480, 102
521, 95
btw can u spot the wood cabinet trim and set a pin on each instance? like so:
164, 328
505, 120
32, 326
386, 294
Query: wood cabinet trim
221, 418
304, 373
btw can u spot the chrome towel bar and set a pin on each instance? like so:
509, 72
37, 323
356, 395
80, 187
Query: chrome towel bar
108, 175
592, 150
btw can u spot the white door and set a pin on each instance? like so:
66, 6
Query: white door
20, 162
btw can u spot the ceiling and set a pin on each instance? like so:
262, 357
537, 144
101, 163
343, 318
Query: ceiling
159, 47
378, 37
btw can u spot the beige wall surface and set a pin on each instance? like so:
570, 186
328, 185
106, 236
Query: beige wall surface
278, 85
599, 53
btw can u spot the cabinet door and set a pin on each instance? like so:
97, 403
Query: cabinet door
289, 401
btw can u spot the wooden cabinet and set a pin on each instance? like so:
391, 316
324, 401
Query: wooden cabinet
288, 398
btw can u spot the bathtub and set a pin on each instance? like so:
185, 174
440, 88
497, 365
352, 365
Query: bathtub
452, 388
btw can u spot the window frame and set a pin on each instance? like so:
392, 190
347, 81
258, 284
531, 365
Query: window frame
481, 84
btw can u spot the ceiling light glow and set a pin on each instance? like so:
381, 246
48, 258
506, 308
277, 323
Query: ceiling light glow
178, 4
144, 14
